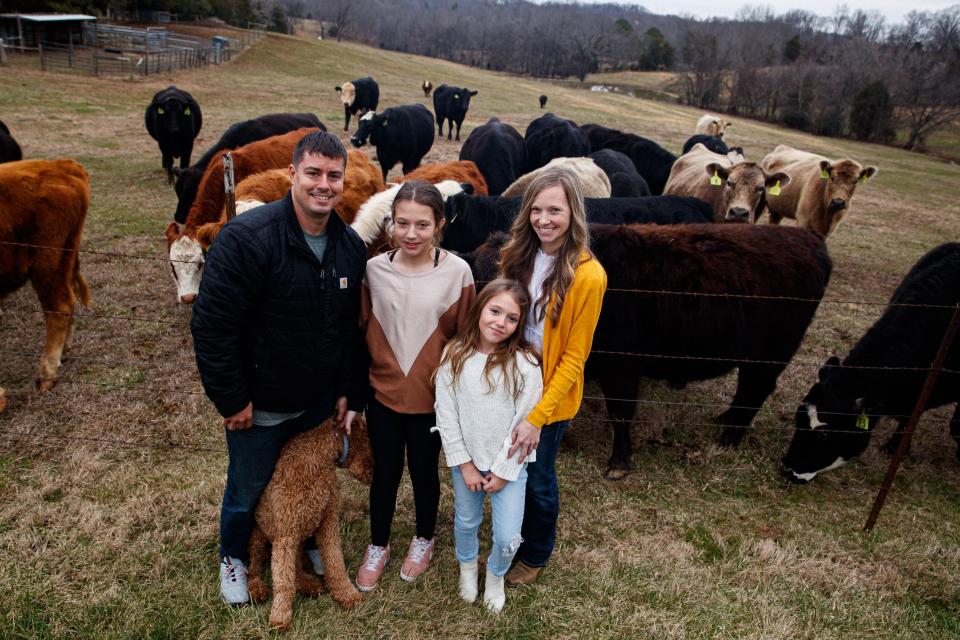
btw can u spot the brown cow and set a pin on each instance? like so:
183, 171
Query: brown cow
711, 125
736, 190
361, 181
463, 171
43, 204
594, 183
427, 88
821, 192
186, 254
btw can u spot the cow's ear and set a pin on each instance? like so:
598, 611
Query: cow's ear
467, 188
337, 89
173, 230
717, 170
825, 169
828, 367
779, 176
473, 93
867, 173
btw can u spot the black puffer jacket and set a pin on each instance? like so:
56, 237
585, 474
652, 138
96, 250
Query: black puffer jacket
271, 324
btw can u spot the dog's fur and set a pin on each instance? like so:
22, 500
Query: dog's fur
302, 501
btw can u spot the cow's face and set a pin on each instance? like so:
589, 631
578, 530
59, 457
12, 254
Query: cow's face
370, 126
348, 93
830, 430
186, 264
841, 179
744, 188
172, 114
461, 98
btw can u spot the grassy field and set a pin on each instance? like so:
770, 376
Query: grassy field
110, 484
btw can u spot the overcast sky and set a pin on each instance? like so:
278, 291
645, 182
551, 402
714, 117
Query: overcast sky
892, 10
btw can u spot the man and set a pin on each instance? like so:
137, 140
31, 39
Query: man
275, 330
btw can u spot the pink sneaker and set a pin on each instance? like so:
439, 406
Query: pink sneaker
418, 559
374, 560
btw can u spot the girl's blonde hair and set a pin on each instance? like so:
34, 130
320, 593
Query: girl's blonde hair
517, 257
464, 344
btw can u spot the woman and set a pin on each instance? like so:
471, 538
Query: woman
549, 252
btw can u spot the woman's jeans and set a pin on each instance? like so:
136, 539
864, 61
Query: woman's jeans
543, 498
507, 507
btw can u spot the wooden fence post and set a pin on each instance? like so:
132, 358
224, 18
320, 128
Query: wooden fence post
229, 187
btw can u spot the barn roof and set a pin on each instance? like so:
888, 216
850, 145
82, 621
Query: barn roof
48, 17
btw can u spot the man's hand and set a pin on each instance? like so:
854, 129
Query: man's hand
341, 411
493, 483
472, 476
525, 439
240, 420
348, 416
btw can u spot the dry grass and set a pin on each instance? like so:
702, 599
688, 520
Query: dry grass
105, 539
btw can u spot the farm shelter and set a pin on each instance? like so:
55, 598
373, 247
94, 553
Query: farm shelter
33, 29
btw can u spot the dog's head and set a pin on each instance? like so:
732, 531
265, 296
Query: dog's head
359, 462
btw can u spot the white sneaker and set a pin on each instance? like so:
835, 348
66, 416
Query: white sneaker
493, 595
468, 580
233, 582
316, 561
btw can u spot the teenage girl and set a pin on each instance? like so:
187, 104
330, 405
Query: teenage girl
549, 253
413, 300
489, 380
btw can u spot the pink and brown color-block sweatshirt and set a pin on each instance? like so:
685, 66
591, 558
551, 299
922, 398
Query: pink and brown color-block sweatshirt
407, 320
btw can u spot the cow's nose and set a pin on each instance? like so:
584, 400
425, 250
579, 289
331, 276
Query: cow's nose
838, 203
356, 142
738, 214
188, 298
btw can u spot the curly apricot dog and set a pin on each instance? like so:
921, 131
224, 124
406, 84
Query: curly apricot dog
302, 501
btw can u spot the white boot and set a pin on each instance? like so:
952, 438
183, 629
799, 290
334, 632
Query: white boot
493, 595
468, 580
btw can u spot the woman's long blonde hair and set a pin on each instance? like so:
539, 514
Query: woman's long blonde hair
518, 255
464, 344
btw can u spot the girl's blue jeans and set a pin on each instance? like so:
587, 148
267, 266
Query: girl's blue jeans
507, 507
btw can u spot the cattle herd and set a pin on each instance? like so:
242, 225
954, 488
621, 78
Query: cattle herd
696, 287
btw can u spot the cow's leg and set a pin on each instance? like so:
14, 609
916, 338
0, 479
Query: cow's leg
284, 569
185, 156
459, 123
954, 428
409, 165
755, 383
346, 117
620, 388
331, 552
259, 549
57, 302
168, 166
439, 127
450, 129
894, 442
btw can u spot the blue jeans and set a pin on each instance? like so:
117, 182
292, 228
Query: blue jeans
543, 498
253, 456
507, 507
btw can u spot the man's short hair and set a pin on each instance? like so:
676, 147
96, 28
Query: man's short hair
323, 143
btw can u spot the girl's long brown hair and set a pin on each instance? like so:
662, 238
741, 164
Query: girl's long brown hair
518, 255
464, 344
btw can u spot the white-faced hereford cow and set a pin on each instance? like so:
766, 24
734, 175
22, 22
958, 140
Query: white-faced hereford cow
43, 204
821, 191
358, 97
883, 373
692, 302
736, 190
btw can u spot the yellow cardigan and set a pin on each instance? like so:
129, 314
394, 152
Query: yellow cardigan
567, 345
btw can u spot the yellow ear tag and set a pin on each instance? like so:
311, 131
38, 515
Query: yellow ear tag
775, 189
862, 179
863, 422
160, 110
186, 111
715, 179
824, 175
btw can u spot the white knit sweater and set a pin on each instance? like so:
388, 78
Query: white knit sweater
477, 426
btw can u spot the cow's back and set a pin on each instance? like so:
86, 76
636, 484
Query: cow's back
497, 150
463, 171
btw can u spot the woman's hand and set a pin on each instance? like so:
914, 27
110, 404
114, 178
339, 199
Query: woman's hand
493, 483
348, 419
472, 476
240, 420
525, 439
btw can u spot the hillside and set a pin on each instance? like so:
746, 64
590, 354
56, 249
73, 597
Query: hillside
110, 484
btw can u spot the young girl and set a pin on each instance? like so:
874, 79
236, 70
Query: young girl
413, 300
488, 381
549, 253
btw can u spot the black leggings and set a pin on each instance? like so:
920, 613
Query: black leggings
390, 432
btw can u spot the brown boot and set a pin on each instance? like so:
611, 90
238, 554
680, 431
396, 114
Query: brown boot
521, 574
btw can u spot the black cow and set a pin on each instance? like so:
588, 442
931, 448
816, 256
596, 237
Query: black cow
714, 143
470, 220
9, 149
652, 161
401, 134
237, 135
451, 104
883, 373
497, 150
549, 137
679, 337
625, 182
173, 119
543, 101
358, 97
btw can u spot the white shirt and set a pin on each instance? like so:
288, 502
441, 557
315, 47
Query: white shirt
542, 267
